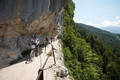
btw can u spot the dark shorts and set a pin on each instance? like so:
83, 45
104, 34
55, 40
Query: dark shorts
37, 46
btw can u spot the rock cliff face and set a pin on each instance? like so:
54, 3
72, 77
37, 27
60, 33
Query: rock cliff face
19, 19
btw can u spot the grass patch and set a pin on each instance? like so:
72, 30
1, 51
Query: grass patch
50, 53
56, 77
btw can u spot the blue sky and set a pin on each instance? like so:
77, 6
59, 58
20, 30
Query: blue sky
99, 13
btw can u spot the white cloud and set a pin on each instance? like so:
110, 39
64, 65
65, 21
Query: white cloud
116, 22
78, 20
105, 23
117, 17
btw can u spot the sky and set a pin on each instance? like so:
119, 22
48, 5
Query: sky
98, 13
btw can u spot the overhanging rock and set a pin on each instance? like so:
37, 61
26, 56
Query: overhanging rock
19, 19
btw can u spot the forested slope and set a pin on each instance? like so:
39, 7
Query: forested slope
111, 39
86, 57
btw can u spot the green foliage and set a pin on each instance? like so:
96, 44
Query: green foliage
86, 56
26, 52
108, 38
14, 61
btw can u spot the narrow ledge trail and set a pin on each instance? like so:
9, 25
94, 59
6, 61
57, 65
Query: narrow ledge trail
22, 71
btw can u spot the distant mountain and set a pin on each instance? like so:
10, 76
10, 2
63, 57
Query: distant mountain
112, 29
108, 38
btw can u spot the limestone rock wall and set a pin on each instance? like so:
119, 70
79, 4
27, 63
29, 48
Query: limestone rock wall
19, 19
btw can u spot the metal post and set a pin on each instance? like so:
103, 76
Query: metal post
40, 72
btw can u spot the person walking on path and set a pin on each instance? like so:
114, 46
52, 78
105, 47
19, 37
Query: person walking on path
46, 42
51, 38
35, 44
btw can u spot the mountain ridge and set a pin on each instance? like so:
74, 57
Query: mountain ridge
107, 37
112, 29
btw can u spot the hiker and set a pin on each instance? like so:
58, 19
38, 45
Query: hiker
51, 39
46, 42
35, 44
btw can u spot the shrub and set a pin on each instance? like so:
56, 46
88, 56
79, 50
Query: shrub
14, 61
26, 52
